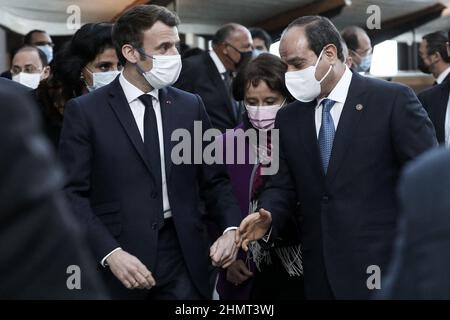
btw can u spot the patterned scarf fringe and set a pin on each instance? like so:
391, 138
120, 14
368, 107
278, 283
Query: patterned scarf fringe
291, 257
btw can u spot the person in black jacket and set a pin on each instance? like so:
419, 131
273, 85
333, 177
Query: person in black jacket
209, 74
341, 149
41, 243
420, 264
436, 101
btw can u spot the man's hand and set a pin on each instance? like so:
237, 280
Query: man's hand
130, 271
224, 251
253, 227
238, 272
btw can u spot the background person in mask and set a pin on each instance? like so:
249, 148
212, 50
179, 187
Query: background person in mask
210, 74
29, 66
260, 84
139, 209
433, 56
436, 100
359, 48
36, 38
342, 146
86, 62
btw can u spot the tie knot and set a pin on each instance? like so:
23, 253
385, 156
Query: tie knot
147, 100
327, 104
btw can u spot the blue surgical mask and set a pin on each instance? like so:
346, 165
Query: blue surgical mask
48, 50
365, 63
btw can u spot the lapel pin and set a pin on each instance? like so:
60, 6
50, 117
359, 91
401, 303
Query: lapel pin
359, 107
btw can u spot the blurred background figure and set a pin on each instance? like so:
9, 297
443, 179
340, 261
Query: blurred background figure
433, 56
42, 40
436, 100
359, 48
29, 66
266, 273
210, 74
40, 238
420, 263
87, 62
39, 39
261, 39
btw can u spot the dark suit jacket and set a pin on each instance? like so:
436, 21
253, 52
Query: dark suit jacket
421, 261
199, 75
111, 186
39, 237
435, 100
349, 215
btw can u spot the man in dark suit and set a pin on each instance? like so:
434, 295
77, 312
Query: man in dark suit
139, 208
436, 101
433, 56
210, 74
41, 244
341, 151
420, 264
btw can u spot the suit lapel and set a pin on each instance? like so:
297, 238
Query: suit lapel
354, 108
168, 123
218, 82
121, 108
440, 112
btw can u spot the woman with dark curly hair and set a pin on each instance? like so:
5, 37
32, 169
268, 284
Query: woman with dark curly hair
265, 272
85, 63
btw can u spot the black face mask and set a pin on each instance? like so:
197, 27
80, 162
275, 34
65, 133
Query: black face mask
246, 56
422, 66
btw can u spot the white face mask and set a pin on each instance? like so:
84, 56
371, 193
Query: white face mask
303, 84
48, 50
30, 80
263, 117
100, 79
165, 71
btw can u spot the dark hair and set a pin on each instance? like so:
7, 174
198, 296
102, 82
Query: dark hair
436, 42
64, 83
350, 36
27, 40
223, 33
130, 27
261, 34
266, 67
320, 32
41, 53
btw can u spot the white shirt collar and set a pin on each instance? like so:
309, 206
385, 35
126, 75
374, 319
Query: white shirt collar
442, 76
132, 92
340, 91
219, 65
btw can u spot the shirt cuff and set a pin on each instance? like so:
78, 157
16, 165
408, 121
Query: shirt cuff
266, 238
229, 229
103, 262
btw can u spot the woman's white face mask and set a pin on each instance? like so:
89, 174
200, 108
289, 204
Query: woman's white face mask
100, 79
303, 84
165, 72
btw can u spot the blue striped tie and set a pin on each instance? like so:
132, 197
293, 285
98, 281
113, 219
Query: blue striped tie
326, 133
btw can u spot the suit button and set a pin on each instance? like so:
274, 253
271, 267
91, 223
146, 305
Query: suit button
154, 226
154, 194
325, 198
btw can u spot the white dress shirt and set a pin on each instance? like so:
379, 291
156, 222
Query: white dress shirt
339, 95
219, 65
132, 95
442, 76
447, 123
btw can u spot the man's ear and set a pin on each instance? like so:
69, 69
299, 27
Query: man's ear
331, 53
47, 70
130, 53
